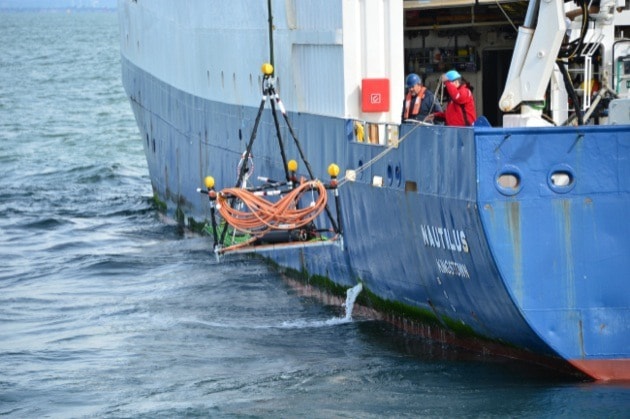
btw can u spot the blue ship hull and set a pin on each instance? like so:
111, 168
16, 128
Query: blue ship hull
536, 268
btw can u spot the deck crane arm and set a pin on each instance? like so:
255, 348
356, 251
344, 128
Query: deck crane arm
537, 46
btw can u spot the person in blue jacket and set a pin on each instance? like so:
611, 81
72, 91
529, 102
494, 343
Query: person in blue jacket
419, 102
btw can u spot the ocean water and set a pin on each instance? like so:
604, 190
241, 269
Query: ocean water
109, 310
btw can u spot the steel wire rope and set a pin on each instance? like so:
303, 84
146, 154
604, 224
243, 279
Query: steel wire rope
506, 16
343, 180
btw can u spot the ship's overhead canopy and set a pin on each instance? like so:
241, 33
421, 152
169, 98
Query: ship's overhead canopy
437, 14
426, 4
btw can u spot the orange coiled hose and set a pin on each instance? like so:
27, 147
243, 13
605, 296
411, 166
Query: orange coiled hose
261, 215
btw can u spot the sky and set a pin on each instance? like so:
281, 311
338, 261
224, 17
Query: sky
57, 4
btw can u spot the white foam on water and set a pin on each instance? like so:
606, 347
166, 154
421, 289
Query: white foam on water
289, 324
351, 296
305, 324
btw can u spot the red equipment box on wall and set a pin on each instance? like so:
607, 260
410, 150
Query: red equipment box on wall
375, 95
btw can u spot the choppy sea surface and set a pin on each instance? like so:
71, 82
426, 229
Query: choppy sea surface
108, 310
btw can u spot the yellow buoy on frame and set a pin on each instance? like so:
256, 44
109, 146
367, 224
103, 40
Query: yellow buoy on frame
292, 166
333, 170
209, 182
267, 69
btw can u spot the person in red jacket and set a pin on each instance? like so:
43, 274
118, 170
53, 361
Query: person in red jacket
460, 110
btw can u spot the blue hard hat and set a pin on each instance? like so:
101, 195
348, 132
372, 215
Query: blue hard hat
453, 75
412, 79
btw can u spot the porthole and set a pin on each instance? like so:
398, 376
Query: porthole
390, 175
398, 175
561, 178
509, 180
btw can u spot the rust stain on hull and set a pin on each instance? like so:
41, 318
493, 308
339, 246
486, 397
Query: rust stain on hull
514, 225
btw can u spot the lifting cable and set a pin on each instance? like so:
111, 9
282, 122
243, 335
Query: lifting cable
245, 209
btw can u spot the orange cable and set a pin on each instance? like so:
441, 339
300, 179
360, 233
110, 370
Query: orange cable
262, 215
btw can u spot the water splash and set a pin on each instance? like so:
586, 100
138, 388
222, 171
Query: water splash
351, 296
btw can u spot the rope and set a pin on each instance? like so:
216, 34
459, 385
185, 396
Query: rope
343, 180
261, 215
507, 16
